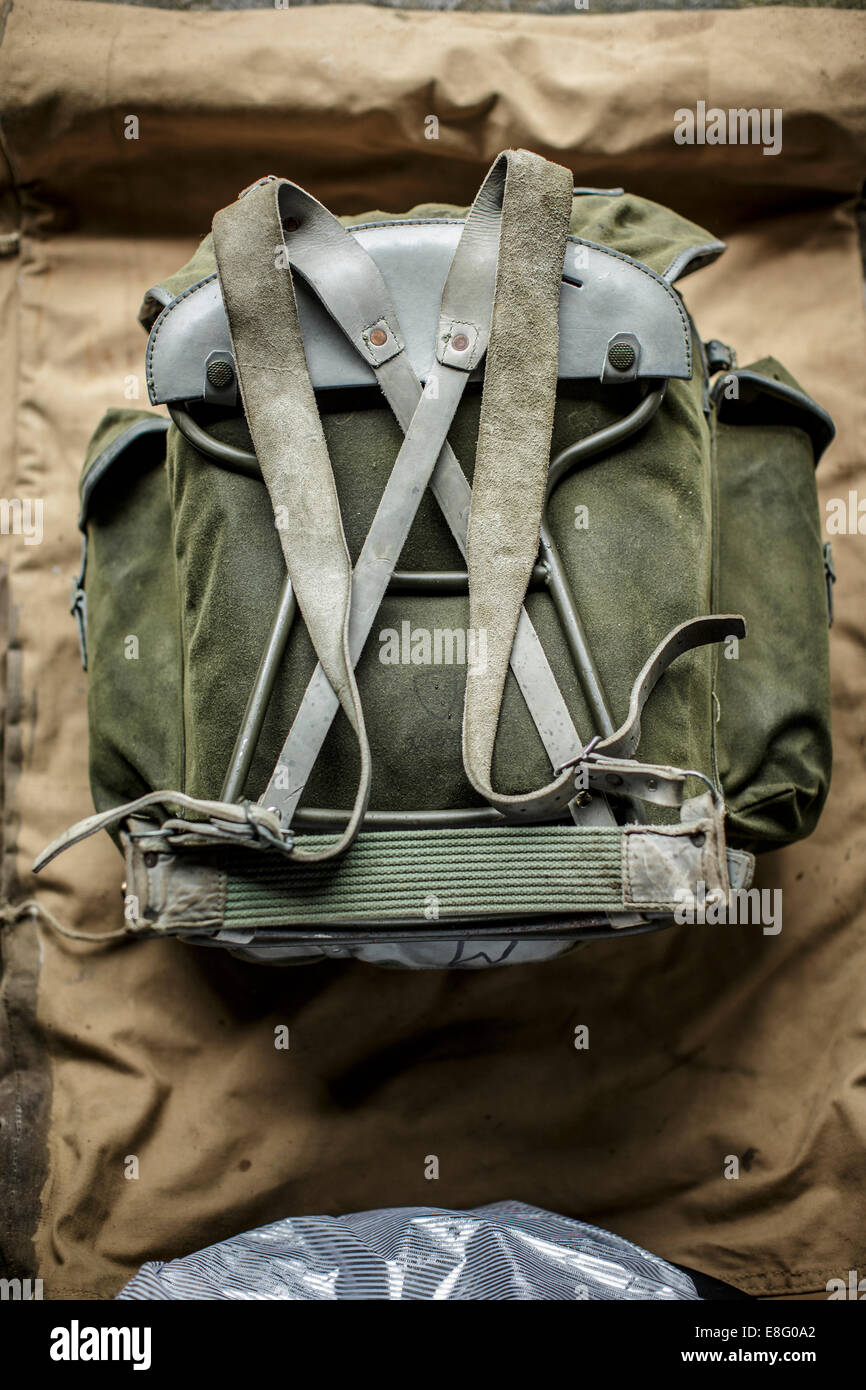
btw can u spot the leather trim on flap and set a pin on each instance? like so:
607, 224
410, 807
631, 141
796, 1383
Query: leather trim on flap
604, 294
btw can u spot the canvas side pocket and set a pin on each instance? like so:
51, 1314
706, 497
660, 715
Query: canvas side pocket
773, 743
127, 609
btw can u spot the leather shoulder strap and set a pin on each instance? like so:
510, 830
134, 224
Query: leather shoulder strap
289, 441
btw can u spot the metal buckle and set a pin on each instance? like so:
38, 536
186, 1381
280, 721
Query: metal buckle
78, 609
830, 580
583, 756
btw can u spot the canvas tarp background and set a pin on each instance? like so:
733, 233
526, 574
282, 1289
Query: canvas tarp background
704, 1043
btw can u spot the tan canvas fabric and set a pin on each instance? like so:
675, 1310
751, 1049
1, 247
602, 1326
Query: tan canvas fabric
704, 1042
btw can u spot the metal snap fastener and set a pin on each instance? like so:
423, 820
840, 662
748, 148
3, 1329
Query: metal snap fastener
220, 374
378, 337
460, 342
621, 356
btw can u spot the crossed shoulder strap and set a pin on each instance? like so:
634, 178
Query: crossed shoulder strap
519, 219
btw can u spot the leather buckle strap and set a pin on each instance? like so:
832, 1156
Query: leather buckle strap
289, 441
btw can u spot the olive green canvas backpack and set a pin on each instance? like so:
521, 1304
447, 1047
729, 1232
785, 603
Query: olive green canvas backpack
464, 605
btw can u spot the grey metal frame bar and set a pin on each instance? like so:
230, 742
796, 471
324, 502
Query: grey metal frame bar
550, 573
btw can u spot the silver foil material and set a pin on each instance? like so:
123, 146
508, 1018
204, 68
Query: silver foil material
506, 1250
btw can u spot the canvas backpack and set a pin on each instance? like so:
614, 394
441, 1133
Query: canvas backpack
461, 605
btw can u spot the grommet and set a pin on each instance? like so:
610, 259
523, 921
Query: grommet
378, 337
460, 342
220, 374
698, 838
151, 859
290, 224
621, 356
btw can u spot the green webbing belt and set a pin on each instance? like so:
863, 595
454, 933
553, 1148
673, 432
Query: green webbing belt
431, 874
